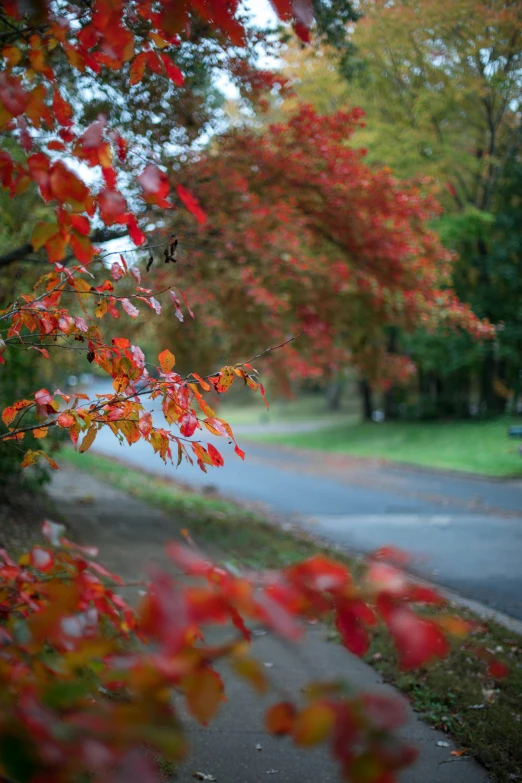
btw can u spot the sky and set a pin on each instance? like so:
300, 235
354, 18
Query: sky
261, 10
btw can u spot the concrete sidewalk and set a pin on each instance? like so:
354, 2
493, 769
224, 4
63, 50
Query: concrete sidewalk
235, 748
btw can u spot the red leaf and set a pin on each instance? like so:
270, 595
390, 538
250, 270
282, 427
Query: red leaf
351, 630
82, 247
177, 307
145, 424
43, 397
41, 559
417, 640
186, 303
188, 424
66, 420
12, 94
62, 109
239, 452
498, 670
129, 308
188, 560
137, 68
173, 72
191, 204
113, 207
215, 456
393, 555
116, 270
81, 224
136, 234
155, 185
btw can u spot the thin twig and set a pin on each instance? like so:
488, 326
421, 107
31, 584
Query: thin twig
166, 386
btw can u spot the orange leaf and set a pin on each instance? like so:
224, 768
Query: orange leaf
279, 719
313, 725
251, 670
88, 439
137, 68
225, 379
62, 109
9, 415
204, 694
167, 360
204, 385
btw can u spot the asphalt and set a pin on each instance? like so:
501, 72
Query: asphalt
235, 748
464, 533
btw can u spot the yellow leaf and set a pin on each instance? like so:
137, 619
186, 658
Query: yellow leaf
226, 378
160, 42
50, 460
29, 458
314, 724
88, 439
167, 360
120, 383
101, 308
251, 670
204, 694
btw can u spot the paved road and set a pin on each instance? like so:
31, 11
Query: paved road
465, 533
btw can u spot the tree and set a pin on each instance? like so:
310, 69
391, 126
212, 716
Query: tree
440, 86
302, 235
78, 702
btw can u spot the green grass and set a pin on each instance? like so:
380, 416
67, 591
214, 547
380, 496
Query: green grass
305, 408
475, 447
445, 694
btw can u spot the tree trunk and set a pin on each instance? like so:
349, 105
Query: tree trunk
334, 394
491, 403
366, 393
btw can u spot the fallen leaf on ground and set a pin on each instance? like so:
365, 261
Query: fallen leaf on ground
442, 744
202, 776
459, 752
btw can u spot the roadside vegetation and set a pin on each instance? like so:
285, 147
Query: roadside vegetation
455, 695
481, 447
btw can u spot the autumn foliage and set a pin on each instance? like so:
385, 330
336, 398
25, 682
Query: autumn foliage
86, 682
303, 235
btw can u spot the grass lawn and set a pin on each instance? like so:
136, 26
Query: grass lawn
476, 447
305, 408
456, 695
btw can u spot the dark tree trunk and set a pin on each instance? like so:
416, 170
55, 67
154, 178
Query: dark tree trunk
491, 402
366, 393
334, 394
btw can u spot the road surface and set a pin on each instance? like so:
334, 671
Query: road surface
464, 533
